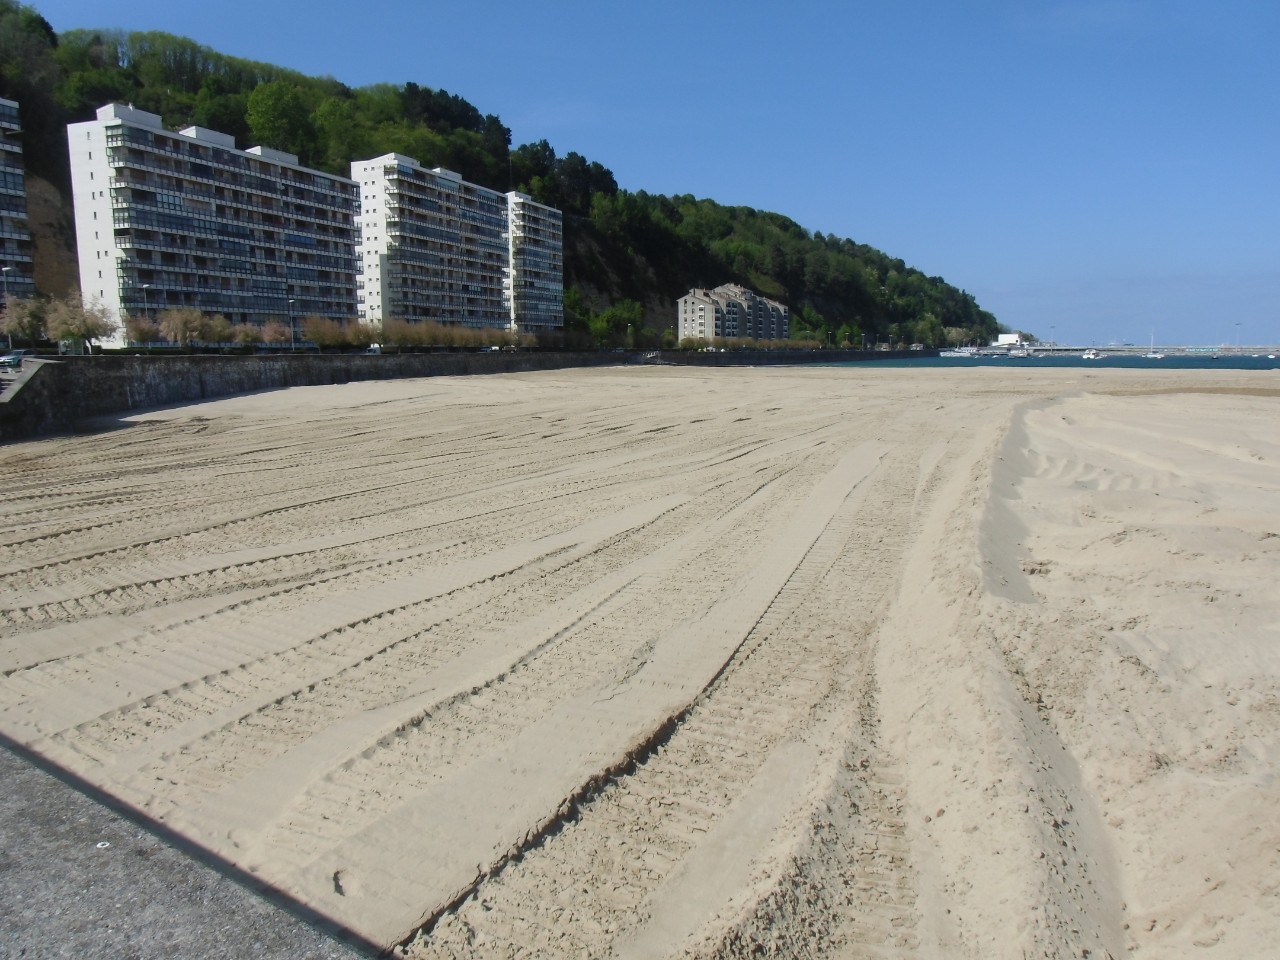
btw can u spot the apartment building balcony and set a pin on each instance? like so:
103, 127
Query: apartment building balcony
19, 284
324, 207
156, 185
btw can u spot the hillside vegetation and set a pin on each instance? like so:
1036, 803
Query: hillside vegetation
628, 256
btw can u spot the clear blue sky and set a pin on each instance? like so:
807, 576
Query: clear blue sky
1091, 170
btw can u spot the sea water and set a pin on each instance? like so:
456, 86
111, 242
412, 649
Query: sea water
1173, 361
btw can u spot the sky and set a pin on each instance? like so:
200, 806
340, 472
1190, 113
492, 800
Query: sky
1092, 171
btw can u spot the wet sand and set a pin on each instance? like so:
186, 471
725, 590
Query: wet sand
646, 662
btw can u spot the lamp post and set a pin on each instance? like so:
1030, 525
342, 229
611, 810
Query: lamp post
293, 334
5, 271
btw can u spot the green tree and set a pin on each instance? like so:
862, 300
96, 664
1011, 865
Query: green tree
220, 106
30, 74
278, 117
340, 134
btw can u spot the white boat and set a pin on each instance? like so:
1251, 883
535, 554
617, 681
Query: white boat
1152, 354
1090, 354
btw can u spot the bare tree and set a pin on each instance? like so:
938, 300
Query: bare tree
324, 332
246, 334
23, 318
71, 318
364, 334
180, 325
398, 333
276, 332
215, 328
141, 329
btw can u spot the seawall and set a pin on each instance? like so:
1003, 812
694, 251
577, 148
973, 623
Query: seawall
54, 396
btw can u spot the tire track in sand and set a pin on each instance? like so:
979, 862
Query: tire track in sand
685, 834
472, 822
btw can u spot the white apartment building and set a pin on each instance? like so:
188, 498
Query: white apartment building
15, 237
185, 219
536, 257
435, 247
731, 311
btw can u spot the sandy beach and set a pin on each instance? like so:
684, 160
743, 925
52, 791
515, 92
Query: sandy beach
646, 662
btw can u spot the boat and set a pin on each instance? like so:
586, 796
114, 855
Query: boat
1152, 354
1090, 354
969, 353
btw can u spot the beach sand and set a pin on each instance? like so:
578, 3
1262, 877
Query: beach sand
642, 662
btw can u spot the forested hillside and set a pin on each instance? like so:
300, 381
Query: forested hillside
627, 255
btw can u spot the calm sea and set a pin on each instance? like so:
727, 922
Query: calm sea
1171, 362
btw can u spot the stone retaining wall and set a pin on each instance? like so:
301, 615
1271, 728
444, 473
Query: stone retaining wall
54, 396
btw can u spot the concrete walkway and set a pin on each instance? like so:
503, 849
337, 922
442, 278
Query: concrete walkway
79, 880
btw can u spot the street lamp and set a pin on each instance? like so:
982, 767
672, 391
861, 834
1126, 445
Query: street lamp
146, 306
293, 334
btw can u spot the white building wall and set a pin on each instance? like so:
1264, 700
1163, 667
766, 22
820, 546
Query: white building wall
184, 219
731, 311
700, 315
535, 277
434, 247
91, 198
440, 243
372, 252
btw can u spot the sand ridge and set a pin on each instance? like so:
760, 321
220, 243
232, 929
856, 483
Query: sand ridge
645, 662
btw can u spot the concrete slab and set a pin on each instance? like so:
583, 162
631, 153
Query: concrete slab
78, 879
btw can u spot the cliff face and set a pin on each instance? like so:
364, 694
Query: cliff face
606, 276
53, 237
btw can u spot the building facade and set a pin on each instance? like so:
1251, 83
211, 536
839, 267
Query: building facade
434, 247
730, 311
169, 219
536, 274
15, 235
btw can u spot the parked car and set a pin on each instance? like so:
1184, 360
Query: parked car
13, 359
